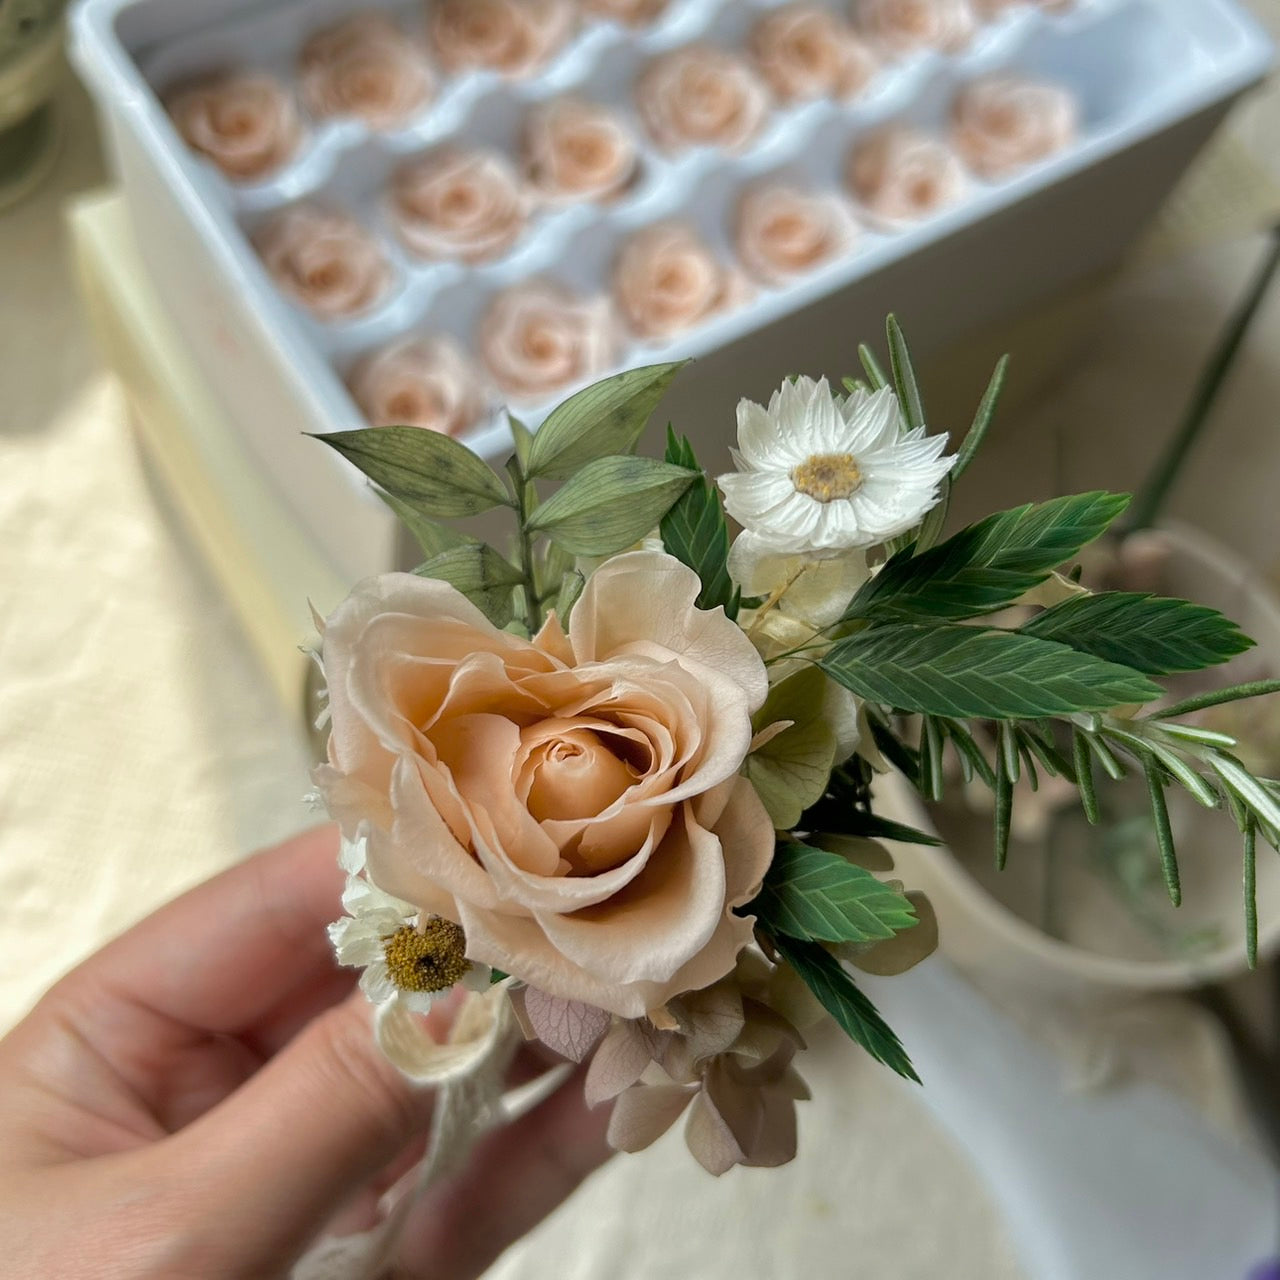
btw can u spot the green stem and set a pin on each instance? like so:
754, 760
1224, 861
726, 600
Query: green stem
1149, 503
524, 490
1234, 693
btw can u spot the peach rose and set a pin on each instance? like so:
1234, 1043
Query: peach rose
420, 382
575, 148
458, 204
903, 26
1003, 122
783, 232
573, 802
805, 51
325, 260
365, 67
666, 279
701, 96
538, 337
900, 174
994, 8
631, 13
513, 37
246, 123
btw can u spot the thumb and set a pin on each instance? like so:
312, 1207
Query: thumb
275, 1160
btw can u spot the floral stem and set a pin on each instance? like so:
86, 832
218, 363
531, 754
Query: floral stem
1254, 689
771, 602
524, 492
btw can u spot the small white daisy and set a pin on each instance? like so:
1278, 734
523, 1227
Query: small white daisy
407, 957
819, 473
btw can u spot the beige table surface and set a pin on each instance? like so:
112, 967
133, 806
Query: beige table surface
141, 748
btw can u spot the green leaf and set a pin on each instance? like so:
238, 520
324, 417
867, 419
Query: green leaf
987, 565
1163, 829
605, 418
434, 474
848, 821
1251, 892
839, 995
904, 376
875, 374
570, 589
696, 533
818, 896
481, 574
791, 770
981, 420
1215, 697
610, 504
1149, 633
432, 536
966, 672
522, 439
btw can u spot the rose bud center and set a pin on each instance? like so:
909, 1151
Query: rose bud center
571, 772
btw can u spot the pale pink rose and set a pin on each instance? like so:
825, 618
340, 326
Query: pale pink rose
1003, 122
365, 67
806, 51
701, 96
903, 26
324, 259
246, 123
899, 174
783, 232
467, 205
578, 149
574, 802
631, 13
420, 382
513, 37
994, 8
667, 279
538, 337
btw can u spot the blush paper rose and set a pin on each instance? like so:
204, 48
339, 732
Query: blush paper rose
364, 67
1001, 123
576, 149
701, 96
420, 382
512, 37
903, 26
245, 123
574, 802
783, 232
805, 51
324, 260
899, 174
631, 13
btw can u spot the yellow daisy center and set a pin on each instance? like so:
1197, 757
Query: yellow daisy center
431, 957
828, 477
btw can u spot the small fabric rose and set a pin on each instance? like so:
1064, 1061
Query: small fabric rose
512, 37
903, 26
573, 802
806, 51
994, 8
325, 260
245, 122
631, 13
454, 204
666, 279
364, 67
783, 232
899, 174
420, 382
576, 149
701, 96
538, 337
1004, 122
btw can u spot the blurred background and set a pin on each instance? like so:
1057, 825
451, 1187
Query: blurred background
164, 523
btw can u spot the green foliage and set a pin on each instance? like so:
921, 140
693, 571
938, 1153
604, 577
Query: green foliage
967, 672
790, 770
432, 536
696, 532
436, 476
837, 992
981, 420
610, 504
603, 419
818, 896
987, 566
904, 375
481, 574
1151, 634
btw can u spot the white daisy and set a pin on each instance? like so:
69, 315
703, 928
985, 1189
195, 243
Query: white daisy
820, 473
406, 956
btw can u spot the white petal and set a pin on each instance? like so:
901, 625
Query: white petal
824, 427
757, 437
875, 423
751, 498
376, 984
478, 978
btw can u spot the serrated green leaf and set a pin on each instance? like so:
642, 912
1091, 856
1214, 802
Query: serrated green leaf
600, 420
1152, 634
431, 472
844, 1001
967, 673
987, 565
696, 532
481, 574
432, 536
818, 896
610, 504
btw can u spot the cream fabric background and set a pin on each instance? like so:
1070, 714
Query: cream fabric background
141, 748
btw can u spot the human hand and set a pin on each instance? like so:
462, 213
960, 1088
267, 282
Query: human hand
203, 1097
